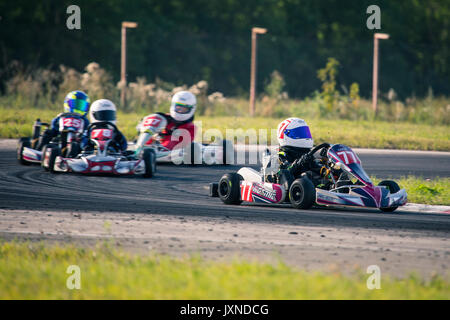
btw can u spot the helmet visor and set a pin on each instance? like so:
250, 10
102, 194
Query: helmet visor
182, 108
105, 115
78, 106
298, 133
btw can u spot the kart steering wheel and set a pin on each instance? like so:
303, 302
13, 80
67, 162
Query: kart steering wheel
102, 123
317, 148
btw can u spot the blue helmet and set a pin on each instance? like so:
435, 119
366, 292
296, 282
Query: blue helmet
77, 102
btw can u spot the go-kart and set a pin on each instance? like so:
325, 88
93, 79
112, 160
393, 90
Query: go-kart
71, 127
341, 181
220, 152
102, 159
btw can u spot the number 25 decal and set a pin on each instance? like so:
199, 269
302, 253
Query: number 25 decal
72, 122
348, 156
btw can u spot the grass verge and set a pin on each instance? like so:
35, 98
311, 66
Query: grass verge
38, 271
425, 191
363, 134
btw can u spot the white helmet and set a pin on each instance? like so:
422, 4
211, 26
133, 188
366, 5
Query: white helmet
183, 106
294, 132
102, 110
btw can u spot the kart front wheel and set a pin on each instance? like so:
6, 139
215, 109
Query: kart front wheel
302, 193
229, 188
23, 143
73, 150
149, 157
393, 187
49, 154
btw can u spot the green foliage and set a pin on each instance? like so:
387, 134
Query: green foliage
354, 94
17, 122
274, 88
327, 75
427, 191
38, 271
187, 41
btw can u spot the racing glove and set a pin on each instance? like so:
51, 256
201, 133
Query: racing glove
301, 165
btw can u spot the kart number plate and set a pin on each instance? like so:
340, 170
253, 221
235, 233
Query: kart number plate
101, 134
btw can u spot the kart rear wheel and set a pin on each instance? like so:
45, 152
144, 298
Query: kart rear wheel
23, 142
393, 187
229, 188
302, 193
149, 157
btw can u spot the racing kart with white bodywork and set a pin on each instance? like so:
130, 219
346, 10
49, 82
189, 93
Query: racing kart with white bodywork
341, 182
71, 128
103, 159
220, 152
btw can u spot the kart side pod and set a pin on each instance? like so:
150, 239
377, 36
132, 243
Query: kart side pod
232, 189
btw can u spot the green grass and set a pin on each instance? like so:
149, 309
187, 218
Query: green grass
38, 271
426, 191
366, 134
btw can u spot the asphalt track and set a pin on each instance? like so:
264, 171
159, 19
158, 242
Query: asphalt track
172, 213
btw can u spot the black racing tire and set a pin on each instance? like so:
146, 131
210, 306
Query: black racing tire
54, 152
149, 157
393, 187
74, 149
23, 142
302, 193
229, 188
214, 190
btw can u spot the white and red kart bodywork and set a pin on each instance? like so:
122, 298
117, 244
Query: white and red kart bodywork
364, 194
31, 155
72, 125
187, 151
101, 162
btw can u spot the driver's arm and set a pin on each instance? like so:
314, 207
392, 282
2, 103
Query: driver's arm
152, 124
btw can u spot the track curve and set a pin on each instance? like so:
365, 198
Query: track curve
181, 191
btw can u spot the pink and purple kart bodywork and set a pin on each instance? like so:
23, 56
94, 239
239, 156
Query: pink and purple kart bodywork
361, 194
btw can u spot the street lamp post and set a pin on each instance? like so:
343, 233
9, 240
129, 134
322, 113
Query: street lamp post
123, 66
255, 31
376, 37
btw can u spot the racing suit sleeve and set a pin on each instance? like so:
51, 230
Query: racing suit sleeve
85, 134
155, 123
54, 126
49, 134
283, 161
121, 141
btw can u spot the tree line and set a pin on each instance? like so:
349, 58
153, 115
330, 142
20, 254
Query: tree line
183, 42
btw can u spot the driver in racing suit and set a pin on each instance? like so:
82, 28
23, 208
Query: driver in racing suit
295, 141
76, 103
103, 115
181, 118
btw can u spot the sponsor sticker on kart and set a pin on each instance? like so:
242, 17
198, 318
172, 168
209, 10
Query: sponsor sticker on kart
101, 134
260, 192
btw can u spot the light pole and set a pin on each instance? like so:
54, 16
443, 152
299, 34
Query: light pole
123, 66
376, 36
255, 31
